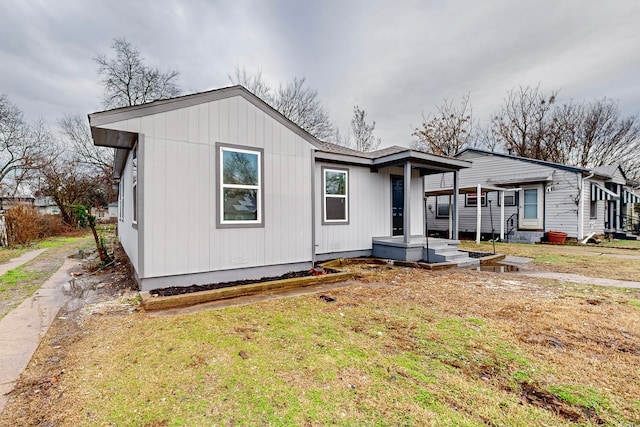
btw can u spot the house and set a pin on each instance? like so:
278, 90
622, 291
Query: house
113, 210
521, 199
7, 202
618, 213
218, 186
46, 205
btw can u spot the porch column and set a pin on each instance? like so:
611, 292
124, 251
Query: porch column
478, 213
618, 219
454, 210
406, 215
501, 215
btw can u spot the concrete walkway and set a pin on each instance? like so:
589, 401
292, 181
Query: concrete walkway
22, 329
521, 262
18, 261
576, 278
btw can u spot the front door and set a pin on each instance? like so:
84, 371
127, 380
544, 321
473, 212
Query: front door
531, 207
397, 205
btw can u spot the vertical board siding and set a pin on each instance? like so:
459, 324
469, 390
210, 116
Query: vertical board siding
181, 200
369, 212
126, 232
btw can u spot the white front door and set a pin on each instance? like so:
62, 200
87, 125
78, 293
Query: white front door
531, 207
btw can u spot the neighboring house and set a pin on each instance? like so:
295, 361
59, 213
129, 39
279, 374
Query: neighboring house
538, 197
8, 202
218, 186
46, 205
113, 210
618, 211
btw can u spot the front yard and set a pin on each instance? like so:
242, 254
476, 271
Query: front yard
398, 347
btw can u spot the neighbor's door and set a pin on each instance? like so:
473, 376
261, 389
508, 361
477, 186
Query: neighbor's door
531, 207
397, 205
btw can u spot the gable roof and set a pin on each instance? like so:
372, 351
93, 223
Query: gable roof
475, 152
126, 140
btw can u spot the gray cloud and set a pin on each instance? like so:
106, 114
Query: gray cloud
395, 60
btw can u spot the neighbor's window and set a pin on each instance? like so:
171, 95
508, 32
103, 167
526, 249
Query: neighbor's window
241, 186
442, 206
336, 194
509, 198
471, 199
593, 210
134, 190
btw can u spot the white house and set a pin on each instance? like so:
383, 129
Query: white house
537, 197
218, 186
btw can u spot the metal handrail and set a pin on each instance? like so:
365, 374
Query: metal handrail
512, 222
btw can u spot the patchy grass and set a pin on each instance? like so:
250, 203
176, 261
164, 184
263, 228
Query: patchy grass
401, 347
20, 283
587, 261
621, 244
7, 254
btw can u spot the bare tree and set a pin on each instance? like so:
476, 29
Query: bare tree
127, 81
71, 184
22, 146
295, 100
362, 132
521, 126
447, 132
253, 82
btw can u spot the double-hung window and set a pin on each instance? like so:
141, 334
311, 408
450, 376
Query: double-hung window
335, 196
240, 175
442, 206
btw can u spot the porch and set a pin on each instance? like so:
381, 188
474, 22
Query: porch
421, 249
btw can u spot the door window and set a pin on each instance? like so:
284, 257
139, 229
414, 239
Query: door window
531, 203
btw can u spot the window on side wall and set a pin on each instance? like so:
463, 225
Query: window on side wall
240, 175
509, 198
471, 199
121, 201
593, 209
335, 196
134, 186
442, 206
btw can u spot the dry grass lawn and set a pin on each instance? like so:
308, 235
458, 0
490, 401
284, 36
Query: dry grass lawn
590, 261
400, 347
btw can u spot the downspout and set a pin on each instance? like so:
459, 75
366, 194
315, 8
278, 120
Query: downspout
313, 208
581, 208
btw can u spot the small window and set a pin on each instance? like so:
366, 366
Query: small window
442, 206
121, 201
471, 199
240, 186
134, 186
335, 196
593, 209
509, 198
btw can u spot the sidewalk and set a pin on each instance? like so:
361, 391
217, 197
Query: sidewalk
22, 329
18, 261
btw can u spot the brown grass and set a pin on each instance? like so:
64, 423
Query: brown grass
401, 347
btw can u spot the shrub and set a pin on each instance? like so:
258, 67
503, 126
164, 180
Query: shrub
25, 225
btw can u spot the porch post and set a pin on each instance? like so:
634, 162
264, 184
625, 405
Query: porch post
478, 213
502, 215
454, 210
618, 218
406, 215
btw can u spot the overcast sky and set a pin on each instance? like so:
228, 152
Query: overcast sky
395, 59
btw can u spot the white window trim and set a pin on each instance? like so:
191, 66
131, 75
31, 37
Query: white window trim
134, 185
223, 186
448, 204
483, 197
340, 196
121, 201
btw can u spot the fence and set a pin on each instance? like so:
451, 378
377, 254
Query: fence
3, 231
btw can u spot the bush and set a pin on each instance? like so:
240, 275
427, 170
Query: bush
25, 225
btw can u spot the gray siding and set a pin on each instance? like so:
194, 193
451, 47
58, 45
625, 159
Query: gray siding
180, 197
127, 232
561, 210
370, 210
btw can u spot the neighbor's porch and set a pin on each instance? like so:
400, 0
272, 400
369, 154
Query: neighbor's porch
421, 249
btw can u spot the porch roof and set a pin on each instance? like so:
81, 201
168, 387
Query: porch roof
465, 190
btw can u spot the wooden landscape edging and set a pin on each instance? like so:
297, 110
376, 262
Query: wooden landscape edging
150, 302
